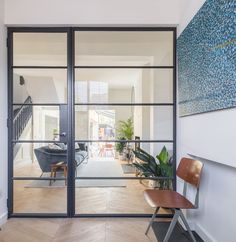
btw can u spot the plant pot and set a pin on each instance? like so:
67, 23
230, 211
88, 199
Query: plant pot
121, 156
117, 155
153, 183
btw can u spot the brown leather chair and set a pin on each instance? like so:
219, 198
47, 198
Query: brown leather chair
190, 171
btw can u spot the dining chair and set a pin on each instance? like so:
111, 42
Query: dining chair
189, 171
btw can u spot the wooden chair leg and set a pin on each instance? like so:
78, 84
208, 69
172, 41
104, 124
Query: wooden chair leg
65, 174
152, 220
51, 176
55, 174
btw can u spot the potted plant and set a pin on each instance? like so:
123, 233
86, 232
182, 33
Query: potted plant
125, 129
120, 145
159, 167
125, 132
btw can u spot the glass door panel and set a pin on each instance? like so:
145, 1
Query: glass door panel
124, 48
39, 123
37, 196
105, 179
42, 85
124, 100
123, 85
99, 122
39, 49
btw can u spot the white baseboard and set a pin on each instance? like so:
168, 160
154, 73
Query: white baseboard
204, 234
3, 218
201, 232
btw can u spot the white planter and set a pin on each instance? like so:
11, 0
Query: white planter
153, 184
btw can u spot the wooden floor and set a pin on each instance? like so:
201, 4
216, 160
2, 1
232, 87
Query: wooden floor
76, 230
93, 200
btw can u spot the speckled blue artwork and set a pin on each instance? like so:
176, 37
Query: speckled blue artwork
206, 52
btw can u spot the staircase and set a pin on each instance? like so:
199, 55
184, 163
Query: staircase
21, 118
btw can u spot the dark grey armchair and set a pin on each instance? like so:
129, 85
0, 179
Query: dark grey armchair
46, 157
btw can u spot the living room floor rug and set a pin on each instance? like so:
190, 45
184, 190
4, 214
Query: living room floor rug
128, 168
91, 169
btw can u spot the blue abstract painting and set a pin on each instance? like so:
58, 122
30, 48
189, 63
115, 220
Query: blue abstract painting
206, 52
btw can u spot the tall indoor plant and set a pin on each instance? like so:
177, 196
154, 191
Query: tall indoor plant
159, 167
125, 132
125, 129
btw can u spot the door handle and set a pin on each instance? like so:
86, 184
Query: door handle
63, 134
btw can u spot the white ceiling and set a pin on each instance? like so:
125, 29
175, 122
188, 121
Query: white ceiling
90, 12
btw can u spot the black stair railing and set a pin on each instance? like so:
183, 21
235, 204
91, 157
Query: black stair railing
21, 118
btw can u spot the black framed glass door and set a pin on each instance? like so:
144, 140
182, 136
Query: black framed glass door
38, 121
124, 79
70, 89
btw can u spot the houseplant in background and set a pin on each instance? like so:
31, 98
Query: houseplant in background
125, 129
120, 145
125, 132
159, 167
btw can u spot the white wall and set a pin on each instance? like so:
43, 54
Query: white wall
122, 113
3, 118
213, 136
74, 12
19, 91
24, 154
215, 218
189, 9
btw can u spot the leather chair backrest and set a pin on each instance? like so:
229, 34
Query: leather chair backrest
190, 171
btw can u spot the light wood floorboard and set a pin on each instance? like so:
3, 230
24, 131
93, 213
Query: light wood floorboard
76, 230
92, 200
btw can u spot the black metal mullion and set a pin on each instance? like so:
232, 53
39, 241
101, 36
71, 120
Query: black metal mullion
125, 29
39, 67
38, 29
124, 104
71, 133
87, 141
123, 178
35, 141
83, 140
111, 215
38, 104
126, 141
10, 123
122, 215
123, 67
38, 215
94, 104
174, 109
28, 178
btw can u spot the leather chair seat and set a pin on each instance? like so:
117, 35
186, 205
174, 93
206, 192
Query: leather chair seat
167, 199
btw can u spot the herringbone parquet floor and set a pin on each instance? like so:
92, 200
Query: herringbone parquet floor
76, 230
91, 200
